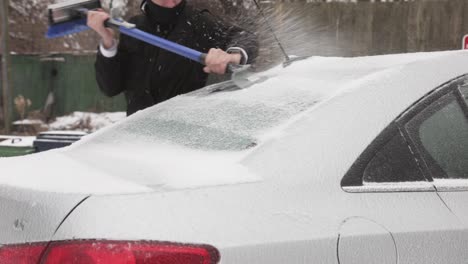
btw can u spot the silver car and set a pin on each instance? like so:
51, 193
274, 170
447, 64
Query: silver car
328, 160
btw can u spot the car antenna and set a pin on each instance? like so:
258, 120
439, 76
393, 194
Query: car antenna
288, 59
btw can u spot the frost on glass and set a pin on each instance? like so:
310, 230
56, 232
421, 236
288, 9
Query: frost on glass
444, 136
464, 92
215, 119
393, 163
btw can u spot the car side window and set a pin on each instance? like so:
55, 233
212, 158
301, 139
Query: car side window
423, 147
386, 165
440, 133
394, 162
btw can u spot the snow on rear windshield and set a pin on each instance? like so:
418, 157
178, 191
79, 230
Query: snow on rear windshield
210, 119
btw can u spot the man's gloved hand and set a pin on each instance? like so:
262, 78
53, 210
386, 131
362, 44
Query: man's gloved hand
96, 20
217, 60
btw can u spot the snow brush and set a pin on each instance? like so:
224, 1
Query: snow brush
69, 17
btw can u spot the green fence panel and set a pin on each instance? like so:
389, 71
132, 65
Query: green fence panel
6, 151
76, 87
70, 78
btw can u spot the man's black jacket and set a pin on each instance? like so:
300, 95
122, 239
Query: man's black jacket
149, 75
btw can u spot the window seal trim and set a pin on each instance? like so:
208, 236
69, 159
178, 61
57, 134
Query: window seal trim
451, 185
424, 103
463, 103
443, 188
392, 187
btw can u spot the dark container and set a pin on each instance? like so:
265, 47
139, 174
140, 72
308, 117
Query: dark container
56, 139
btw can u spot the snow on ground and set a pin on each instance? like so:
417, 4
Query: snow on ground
77, 121
87, 122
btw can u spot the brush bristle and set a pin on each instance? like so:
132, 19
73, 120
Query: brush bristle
67, 28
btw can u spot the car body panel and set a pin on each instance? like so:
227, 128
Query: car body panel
278, 200
331, 86
29, 216
457, 202
364, 241
227, 217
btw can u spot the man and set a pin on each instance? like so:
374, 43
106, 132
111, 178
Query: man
149, 75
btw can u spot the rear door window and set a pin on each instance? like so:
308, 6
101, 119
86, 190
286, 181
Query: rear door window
387, 165
425, 147
440, 133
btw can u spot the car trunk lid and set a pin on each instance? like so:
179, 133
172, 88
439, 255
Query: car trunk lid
32, 216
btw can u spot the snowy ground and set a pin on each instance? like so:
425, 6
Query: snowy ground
77, 121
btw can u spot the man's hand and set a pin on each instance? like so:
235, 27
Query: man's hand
217, 60
96, 20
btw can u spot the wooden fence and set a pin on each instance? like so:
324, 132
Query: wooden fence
365, 28
349, 29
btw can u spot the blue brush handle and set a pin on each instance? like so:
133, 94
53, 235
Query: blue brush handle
131, 30
149, 38
158, 41
165, 44
172, 46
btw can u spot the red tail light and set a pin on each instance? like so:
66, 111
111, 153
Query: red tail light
21, 254
110, 252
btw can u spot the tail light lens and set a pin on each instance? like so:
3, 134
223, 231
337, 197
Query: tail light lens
22, 254
110, 252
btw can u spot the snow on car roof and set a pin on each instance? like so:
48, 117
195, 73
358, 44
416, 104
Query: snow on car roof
222, 118
198, 139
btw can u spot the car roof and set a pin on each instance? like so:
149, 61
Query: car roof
324, 141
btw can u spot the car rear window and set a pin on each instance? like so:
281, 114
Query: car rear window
216, 118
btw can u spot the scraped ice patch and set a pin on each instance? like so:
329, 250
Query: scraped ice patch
231, 121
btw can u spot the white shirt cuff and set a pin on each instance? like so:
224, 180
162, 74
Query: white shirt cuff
241, 51
110, 52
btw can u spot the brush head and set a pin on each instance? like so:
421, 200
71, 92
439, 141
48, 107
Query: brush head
66, 28
67, 17
67, 11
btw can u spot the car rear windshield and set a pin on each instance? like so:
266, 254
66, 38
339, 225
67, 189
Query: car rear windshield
218, 117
